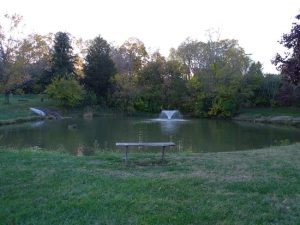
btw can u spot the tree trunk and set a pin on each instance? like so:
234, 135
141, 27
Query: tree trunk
6, 97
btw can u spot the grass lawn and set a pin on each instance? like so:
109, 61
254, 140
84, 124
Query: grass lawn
19, 106
251, 187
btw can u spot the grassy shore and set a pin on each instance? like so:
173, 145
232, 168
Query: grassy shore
272, 111
18, 109
278, 115
251, 187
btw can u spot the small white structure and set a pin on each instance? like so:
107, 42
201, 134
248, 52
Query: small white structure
37, 111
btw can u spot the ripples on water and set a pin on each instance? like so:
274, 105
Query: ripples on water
197, 135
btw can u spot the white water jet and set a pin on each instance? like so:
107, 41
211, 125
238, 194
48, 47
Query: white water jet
170, 114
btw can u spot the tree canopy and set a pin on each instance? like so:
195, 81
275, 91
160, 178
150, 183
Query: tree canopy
212, 78
62, 57
98, 68
12, 64
289, 65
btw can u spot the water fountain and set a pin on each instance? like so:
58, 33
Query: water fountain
170, 121
170, 114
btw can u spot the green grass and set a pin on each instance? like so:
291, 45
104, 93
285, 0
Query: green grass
251, 187
19, 106
275, 111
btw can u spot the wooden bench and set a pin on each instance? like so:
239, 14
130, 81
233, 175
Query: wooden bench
163, 145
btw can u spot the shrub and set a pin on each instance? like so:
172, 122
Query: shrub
67, 91
90, 98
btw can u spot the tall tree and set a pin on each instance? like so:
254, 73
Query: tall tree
269, 89
10, 75
250, 85
215, 69
289, 64
198, 56
174, 85
150, 82
98, 68
35, 55
190, 53
131, 57
62, 58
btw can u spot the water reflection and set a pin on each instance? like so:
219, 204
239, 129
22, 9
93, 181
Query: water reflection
168, 127
38, 123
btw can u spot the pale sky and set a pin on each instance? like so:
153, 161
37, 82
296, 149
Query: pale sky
161, 24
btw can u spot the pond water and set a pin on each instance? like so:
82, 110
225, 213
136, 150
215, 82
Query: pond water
101, 133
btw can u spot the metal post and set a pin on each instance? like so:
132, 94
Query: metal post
126, 154
163, 153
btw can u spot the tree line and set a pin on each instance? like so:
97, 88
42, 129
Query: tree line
215, 78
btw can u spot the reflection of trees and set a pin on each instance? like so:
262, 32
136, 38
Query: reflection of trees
193, 135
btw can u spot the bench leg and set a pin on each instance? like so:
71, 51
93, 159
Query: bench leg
163, 153
126, 154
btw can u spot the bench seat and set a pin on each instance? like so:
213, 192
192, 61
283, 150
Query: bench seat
163, 145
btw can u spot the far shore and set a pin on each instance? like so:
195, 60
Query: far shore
18, 112
276, 120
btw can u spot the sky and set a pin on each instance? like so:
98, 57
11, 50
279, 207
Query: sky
162, 24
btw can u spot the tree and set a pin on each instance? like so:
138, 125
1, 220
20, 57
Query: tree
62, 58
98, 68
161, 85
190, 53
198, 56
10, 74
131, 57
289, 64
215, 71
150, 83
34, 54
269, 89
80, 49
250, 85
174, 85
67, 91
125, 92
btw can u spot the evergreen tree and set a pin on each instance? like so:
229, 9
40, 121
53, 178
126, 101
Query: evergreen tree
99, 68
62, 58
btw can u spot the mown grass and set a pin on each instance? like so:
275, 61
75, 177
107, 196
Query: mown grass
19, 106
18, 109
272, 111
251, 187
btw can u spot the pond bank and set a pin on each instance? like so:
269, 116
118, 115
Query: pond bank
279, 120
289, 116
18, 111
20, 120
248, 187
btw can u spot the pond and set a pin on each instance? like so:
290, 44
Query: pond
101, 133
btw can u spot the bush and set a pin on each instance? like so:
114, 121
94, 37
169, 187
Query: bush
225, 104
90, 98
67, 91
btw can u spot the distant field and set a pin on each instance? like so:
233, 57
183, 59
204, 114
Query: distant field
244, 188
